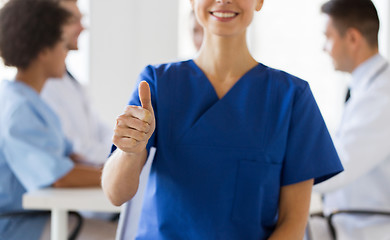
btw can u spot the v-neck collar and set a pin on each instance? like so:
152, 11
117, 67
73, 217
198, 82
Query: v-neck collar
203, 76
210, 105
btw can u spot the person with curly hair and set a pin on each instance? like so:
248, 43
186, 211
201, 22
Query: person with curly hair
34, 152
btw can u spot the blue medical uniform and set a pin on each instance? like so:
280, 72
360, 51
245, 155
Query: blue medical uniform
32, 155
220, 163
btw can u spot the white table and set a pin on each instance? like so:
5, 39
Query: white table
61, 200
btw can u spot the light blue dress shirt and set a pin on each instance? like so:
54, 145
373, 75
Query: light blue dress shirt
33, 155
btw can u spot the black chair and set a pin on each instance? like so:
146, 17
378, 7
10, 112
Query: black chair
331, 216
72, 236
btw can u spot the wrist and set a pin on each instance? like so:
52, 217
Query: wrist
132, 155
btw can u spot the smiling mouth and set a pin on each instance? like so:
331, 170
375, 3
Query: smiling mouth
224, 14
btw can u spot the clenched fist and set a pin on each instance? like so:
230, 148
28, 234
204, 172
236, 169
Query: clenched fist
136, 125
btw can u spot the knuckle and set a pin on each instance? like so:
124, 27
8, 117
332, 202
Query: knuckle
128, 108
120, 119
132, 142
137, 135
146, 127
147, 116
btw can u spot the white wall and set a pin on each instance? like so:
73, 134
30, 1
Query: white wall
125, 36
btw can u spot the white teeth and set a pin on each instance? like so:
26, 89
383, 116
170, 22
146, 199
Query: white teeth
223, 14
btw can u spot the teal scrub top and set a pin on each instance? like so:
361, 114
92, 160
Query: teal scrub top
220, 163
33, 154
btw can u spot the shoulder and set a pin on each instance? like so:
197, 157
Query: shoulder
383, 77
282, 81
54, 84
16, 110
164, 69
62, 90
20, 104
12, 99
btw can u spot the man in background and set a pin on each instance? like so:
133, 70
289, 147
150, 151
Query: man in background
82, 126
91, 138
362, 140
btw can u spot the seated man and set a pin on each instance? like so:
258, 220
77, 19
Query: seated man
362, 140
34, 152
89, 135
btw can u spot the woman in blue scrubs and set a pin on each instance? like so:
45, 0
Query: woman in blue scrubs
239, 144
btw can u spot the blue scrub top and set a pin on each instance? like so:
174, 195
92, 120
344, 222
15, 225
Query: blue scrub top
220, 163
33, 155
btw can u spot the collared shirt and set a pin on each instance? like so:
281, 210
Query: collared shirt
362, 142
90, 136
220, 163
33, 155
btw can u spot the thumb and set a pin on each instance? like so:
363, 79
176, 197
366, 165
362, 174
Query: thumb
144, 95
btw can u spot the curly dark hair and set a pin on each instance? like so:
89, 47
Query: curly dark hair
27, 27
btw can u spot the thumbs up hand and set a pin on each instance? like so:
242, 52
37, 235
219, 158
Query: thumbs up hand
136, 125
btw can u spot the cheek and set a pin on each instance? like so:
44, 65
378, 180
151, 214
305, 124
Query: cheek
201, 16
248, 10
249, 17
248, 6
201, 8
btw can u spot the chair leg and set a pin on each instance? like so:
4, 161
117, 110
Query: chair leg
79, 219
331, 227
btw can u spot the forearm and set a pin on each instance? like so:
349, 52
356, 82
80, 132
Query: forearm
80, 176
120, 178
132, 132
292, 229
293, 211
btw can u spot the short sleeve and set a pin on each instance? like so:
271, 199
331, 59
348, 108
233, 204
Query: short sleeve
34, 150
148, 75
310, 151
68, 147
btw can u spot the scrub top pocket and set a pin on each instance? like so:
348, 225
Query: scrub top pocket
256, 193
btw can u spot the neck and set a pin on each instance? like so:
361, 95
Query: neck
364, 55
32, 76
225, 58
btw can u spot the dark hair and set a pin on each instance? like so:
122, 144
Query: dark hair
358, 14
27, 27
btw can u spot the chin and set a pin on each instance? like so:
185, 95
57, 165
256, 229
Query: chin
337, 67
73, 47
58, 76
